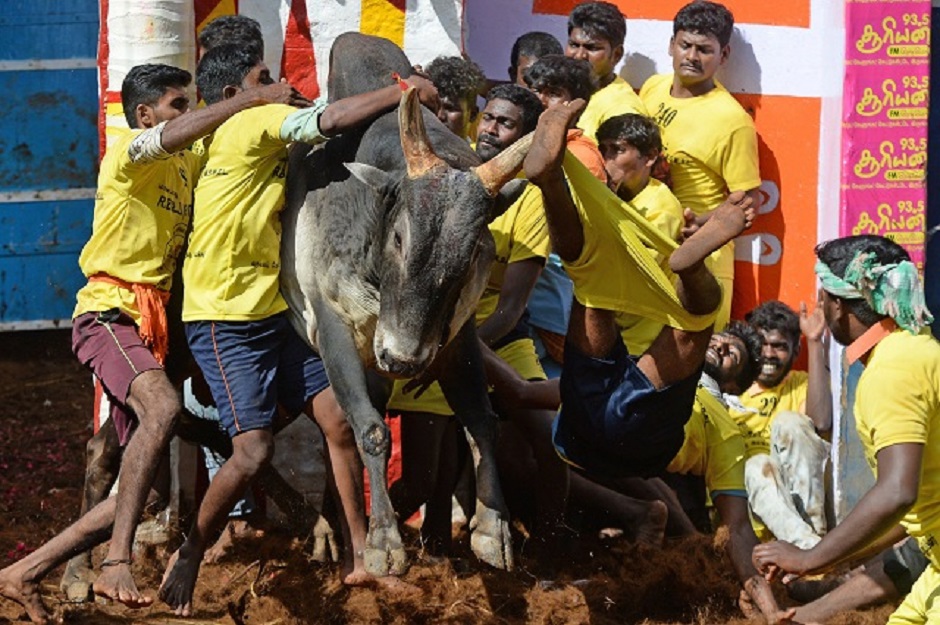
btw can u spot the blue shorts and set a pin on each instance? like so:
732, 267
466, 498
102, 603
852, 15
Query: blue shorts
252, 366
613, 422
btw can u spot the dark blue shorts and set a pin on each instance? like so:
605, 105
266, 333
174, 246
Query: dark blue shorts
252, 366
613, 422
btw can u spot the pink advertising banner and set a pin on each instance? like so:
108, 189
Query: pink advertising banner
884, 121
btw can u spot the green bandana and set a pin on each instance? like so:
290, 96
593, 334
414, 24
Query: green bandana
893, 290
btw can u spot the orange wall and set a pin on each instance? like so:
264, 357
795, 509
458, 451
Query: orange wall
788, 130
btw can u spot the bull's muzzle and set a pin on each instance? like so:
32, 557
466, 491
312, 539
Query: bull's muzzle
398, 367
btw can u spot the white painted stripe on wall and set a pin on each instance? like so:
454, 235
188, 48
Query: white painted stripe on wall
47, 64
328, 20
772, 60
47, 195
273, 19
432, 29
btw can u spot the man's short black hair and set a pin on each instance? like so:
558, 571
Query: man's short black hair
237, 29
703, 17
637, 130
754, 344
599, 19
535, 44
146, 84
838, 253
523, 98
559, 71
775, 315
457, 78
221, 66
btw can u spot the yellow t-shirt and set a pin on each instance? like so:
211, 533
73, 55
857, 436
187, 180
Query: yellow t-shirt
142, 212
898, 401
711, 144
713, 448
233, 261
520, 233
767, 403
661, 208
709, 140
617, 269
617, 98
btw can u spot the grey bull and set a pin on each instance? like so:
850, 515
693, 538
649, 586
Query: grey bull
385, 254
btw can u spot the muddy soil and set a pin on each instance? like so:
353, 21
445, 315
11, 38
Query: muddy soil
45, 420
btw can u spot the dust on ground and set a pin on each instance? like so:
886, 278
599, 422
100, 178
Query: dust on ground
45, 420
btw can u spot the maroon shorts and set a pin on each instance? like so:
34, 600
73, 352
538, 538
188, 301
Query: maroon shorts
107, 343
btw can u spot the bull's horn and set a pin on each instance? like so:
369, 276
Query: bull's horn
419, 157
501, 168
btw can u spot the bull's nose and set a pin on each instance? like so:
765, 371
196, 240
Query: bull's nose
397, 367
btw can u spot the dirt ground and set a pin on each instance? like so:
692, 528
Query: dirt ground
45, 410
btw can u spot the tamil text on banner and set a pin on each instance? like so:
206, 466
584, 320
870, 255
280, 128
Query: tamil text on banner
884, 141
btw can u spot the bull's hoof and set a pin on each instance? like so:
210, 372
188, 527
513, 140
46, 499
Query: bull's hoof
76, 582
384, 553
490, 539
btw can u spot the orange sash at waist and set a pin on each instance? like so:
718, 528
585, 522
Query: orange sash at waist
151, 302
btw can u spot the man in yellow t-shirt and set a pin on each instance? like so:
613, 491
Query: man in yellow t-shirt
233, 311
873, 303
709, 139
596, 34
624, 415
631, 144
522, 245
781, 417
142, 209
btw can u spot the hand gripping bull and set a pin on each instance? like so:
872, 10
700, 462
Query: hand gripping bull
386, 252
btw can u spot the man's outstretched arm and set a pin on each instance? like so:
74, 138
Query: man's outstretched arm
543, 168
160, 141
877, 513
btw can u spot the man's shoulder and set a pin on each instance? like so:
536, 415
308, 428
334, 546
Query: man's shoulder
657, 193
656, 85
795, 379
907, 350
726, 108
617, 98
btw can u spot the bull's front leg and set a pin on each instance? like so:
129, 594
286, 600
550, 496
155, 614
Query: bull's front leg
384, 553
102, 463
463, 382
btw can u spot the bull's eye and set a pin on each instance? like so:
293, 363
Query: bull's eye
397, 240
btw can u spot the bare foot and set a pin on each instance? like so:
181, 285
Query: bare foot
548, 147
652, 530
359, 577
26, 594
179, 581
116, 583
234, 530
390, 583
726, 222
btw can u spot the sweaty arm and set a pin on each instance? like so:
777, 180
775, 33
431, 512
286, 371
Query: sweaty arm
167, 137
543, 168
818, 392
348, 113
513, 390
877, 513
518, 283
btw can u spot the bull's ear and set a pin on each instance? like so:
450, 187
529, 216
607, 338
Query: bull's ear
371, 176
510, 192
